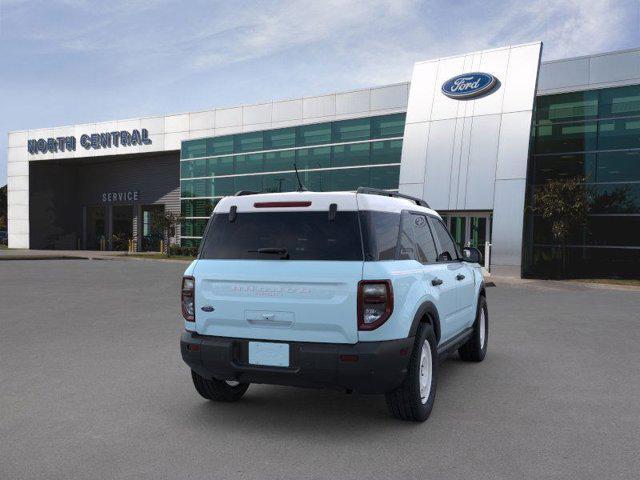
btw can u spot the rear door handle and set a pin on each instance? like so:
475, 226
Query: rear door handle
436, 281
459, 277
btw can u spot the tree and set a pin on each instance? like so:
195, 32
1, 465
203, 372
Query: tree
565, 204
166, 222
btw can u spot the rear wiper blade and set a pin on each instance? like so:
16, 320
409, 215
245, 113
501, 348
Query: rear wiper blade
284, 254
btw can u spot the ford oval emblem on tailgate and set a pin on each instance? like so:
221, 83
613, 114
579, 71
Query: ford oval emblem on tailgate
207, 308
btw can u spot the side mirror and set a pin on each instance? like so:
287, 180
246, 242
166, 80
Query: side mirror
472, 255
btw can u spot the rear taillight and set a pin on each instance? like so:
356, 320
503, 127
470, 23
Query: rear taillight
187, 298
375, 303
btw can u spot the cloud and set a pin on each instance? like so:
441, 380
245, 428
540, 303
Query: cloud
132, 57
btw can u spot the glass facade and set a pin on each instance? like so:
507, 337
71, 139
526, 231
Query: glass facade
593, 135
340, 155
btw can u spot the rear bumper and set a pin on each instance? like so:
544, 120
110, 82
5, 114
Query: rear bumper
365, 367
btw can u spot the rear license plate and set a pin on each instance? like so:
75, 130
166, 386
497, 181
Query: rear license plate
269, 354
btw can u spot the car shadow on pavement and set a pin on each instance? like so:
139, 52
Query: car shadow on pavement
277, 409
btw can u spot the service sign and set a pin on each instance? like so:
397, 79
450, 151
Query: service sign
119, 197
469, 85
93, 141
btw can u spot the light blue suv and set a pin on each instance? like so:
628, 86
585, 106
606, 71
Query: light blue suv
361, 291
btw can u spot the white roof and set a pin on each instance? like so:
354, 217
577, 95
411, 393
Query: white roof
319, 201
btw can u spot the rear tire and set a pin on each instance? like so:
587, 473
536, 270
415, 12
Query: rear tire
218, 390
476, 347
413, 400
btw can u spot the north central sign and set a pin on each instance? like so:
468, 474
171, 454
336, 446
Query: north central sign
93, 141
469, 85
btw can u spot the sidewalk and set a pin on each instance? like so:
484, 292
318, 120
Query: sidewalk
20, 254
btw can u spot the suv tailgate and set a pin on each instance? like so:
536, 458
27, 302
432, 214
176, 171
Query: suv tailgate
305, 301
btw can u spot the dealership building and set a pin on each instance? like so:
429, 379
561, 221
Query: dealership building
476, 135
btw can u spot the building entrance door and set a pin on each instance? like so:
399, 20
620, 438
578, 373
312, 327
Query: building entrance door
121, 227
96, 227
470, 229
151, 231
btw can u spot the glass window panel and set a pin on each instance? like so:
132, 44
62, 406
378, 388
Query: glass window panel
194, 148
585, 261
186, 209
279, 182
319, 181
478, 233
448, 250
193, 227
220, 187
275, 161
186, 228
190, 242
575, 137
347, 179
248, 142
620, 102
615, 198
613, 230
186, 188
425, 245
313, 134
347, 155
388, 151
199, 188
280, 138
352, 130
197, 208
186, 169
388, 126
198, 227
249, 163
380, 232
458, 229
618, 167
220, 166
252, 183
566, 107
387, 178
199, 168
319, 157
305, 235
220, 145
549, 167
616, 134
406, 245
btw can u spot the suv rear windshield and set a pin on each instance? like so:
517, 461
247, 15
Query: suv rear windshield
297, 235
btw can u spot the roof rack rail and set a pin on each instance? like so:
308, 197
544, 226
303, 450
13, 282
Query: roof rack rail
242, 193
385, 193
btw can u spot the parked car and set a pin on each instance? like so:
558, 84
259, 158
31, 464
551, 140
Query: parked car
357, 291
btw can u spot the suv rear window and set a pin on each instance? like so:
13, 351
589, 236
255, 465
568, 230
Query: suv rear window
303, 235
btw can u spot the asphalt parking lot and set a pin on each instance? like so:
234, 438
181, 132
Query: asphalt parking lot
92, 386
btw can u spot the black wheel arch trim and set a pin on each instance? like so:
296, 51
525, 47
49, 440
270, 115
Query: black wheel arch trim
427, 308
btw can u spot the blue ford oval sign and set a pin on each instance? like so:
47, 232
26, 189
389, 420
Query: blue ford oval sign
469, 85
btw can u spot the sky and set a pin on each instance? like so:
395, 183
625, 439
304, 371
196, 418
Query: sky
65, 62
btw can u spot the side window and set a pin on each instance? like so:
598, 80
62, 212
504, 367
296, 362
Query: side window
448, 251
425, 246
405, 242
380, 234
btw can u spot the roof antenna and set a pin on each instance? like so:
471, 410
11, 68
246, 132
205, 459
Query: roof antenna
301, 187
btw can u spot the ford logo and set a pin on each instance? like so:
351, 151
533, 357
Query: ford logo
469, 85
